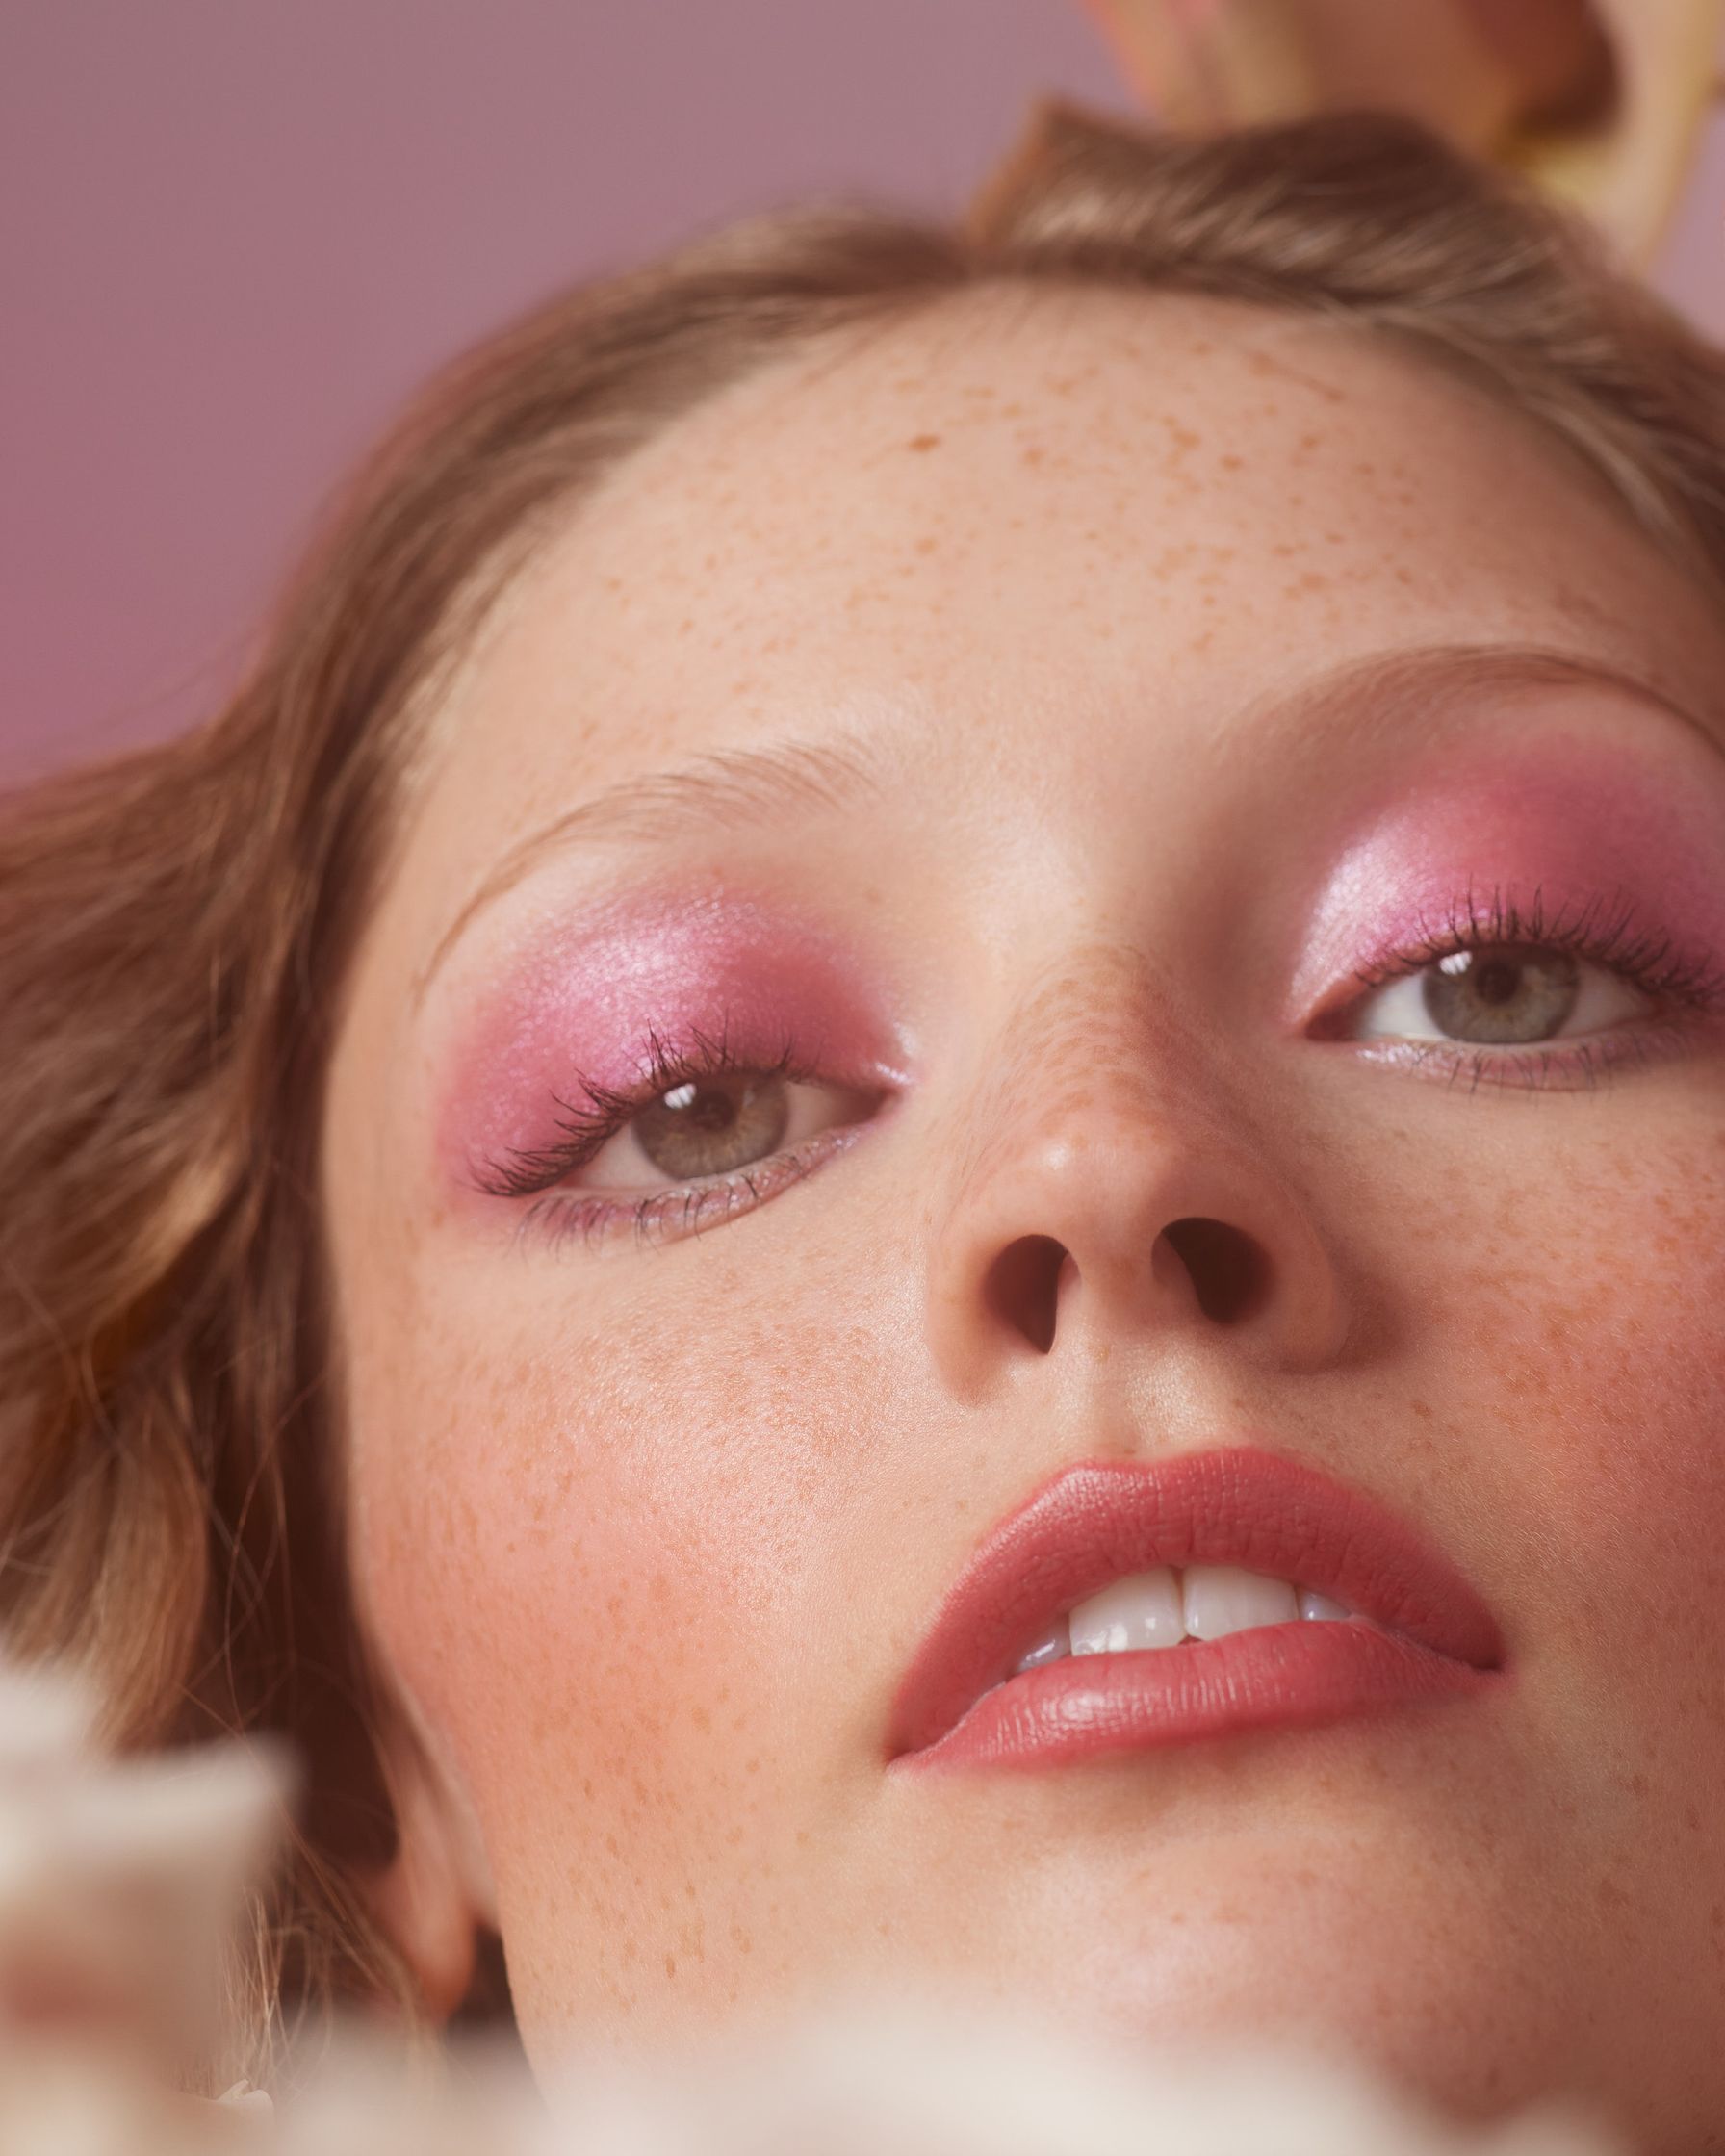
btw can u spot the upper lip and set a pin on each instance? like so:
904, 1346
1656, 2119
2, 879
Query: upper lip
1097, 1520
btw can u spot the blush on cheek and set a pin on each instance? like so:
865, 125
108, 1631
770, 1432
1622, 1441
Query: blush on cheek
555, 1634
591, 1000
1575, 831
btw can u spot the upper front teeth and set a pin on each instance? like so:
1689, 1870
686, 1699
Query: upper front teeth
1142, 1611
1221, 1599
1161, 1608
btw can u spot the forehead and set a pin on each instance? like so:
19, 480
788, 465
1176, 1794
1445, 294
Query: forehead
1032, 519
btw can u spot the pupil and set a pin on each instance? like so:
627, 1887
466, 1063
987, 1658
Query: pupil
1496, 980
704, 1108
713, 1126
1512, 993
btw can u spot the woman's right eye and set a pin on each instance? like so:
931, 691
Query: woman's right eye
715, 1125
1501, 996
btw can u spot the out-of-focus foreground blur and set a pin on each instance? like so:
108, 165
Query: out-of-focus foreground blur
121, 1884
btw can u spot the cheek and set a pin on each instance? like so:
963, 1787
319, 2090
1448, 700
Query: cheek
1572, 1317
1607, 1280
596, 1552
561, 1619
535, 1570
1624, 1351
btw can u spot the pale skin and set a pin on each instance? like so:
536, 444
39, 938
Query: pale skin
1103, 586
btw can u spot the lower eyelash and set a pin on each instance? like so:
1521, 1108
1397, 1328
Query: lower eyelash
667, 1215
1582, 1068
1603, 931
596, 1113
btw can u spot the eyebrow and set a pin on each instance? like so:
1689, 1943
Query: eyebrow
724, 789
1383, 691
735, 789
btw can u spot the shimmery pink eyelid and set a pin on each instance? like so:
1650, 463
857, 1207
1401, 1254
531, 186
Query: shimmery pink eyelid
1582, 819
1607, 932
757, 973
589, 1114
592, 1004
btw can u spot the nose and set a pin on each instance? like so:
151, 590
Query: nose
1116, 1179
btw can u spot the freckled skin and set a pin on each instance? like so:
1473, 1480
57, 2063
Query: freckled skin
650, 1533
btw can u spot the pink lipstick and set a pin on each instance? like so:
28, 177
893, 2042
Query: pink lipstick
1420, 1633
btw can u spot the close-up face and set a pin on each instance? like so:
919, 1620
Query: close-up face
1079, 940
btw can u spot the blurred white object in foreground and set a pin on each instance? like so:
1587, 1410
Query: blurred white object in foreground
119, 1880
926, 2079
119, 1884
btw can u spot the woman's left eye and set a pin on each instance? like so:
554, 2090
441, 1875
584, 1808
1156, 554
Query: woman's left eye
1501, 996
715, 1125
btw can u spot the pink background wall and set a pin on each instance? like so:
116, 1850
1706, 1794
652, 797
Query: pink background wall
236, 232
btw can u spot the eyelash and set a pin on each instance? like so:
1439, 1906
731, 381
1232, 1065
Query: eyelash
590, 1123
1604, 932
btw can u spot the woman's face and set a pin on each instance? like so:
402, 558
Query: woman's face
1063, 748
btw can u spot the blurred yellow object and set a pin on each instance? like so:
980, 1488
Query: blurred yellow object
1600, 101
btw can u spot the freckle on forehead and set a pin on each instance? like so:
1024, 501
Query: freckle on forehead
968, 467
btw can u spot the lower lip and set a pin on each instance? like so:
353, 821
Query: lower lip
1272, 1677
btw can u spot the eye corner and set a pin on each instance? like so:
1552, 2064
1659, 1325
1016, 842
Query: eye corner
1330, 1019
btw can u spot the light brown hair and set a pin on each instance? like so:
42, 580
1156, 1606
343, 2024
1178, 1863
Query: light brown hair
175, 923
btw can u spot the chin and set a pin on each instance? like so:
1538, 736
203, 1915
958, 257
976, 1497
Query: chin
1361, 1982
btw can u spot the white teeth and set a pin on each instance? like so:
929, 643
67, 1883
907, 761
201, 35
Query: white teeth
1224, 1598
1051, 1647
1141, 1611
1161, 1608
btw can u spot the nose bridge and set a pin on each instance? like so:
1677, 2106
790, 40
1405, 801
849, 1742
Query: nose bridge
1096, 1049
1105, 1156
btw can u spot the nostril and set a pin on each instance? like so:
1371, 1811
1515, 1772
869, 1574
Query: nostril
1229, 1272
1022, 1287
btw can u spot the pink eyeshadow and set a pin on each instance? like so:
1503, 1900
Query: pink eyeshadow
1577, 827
587, 999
